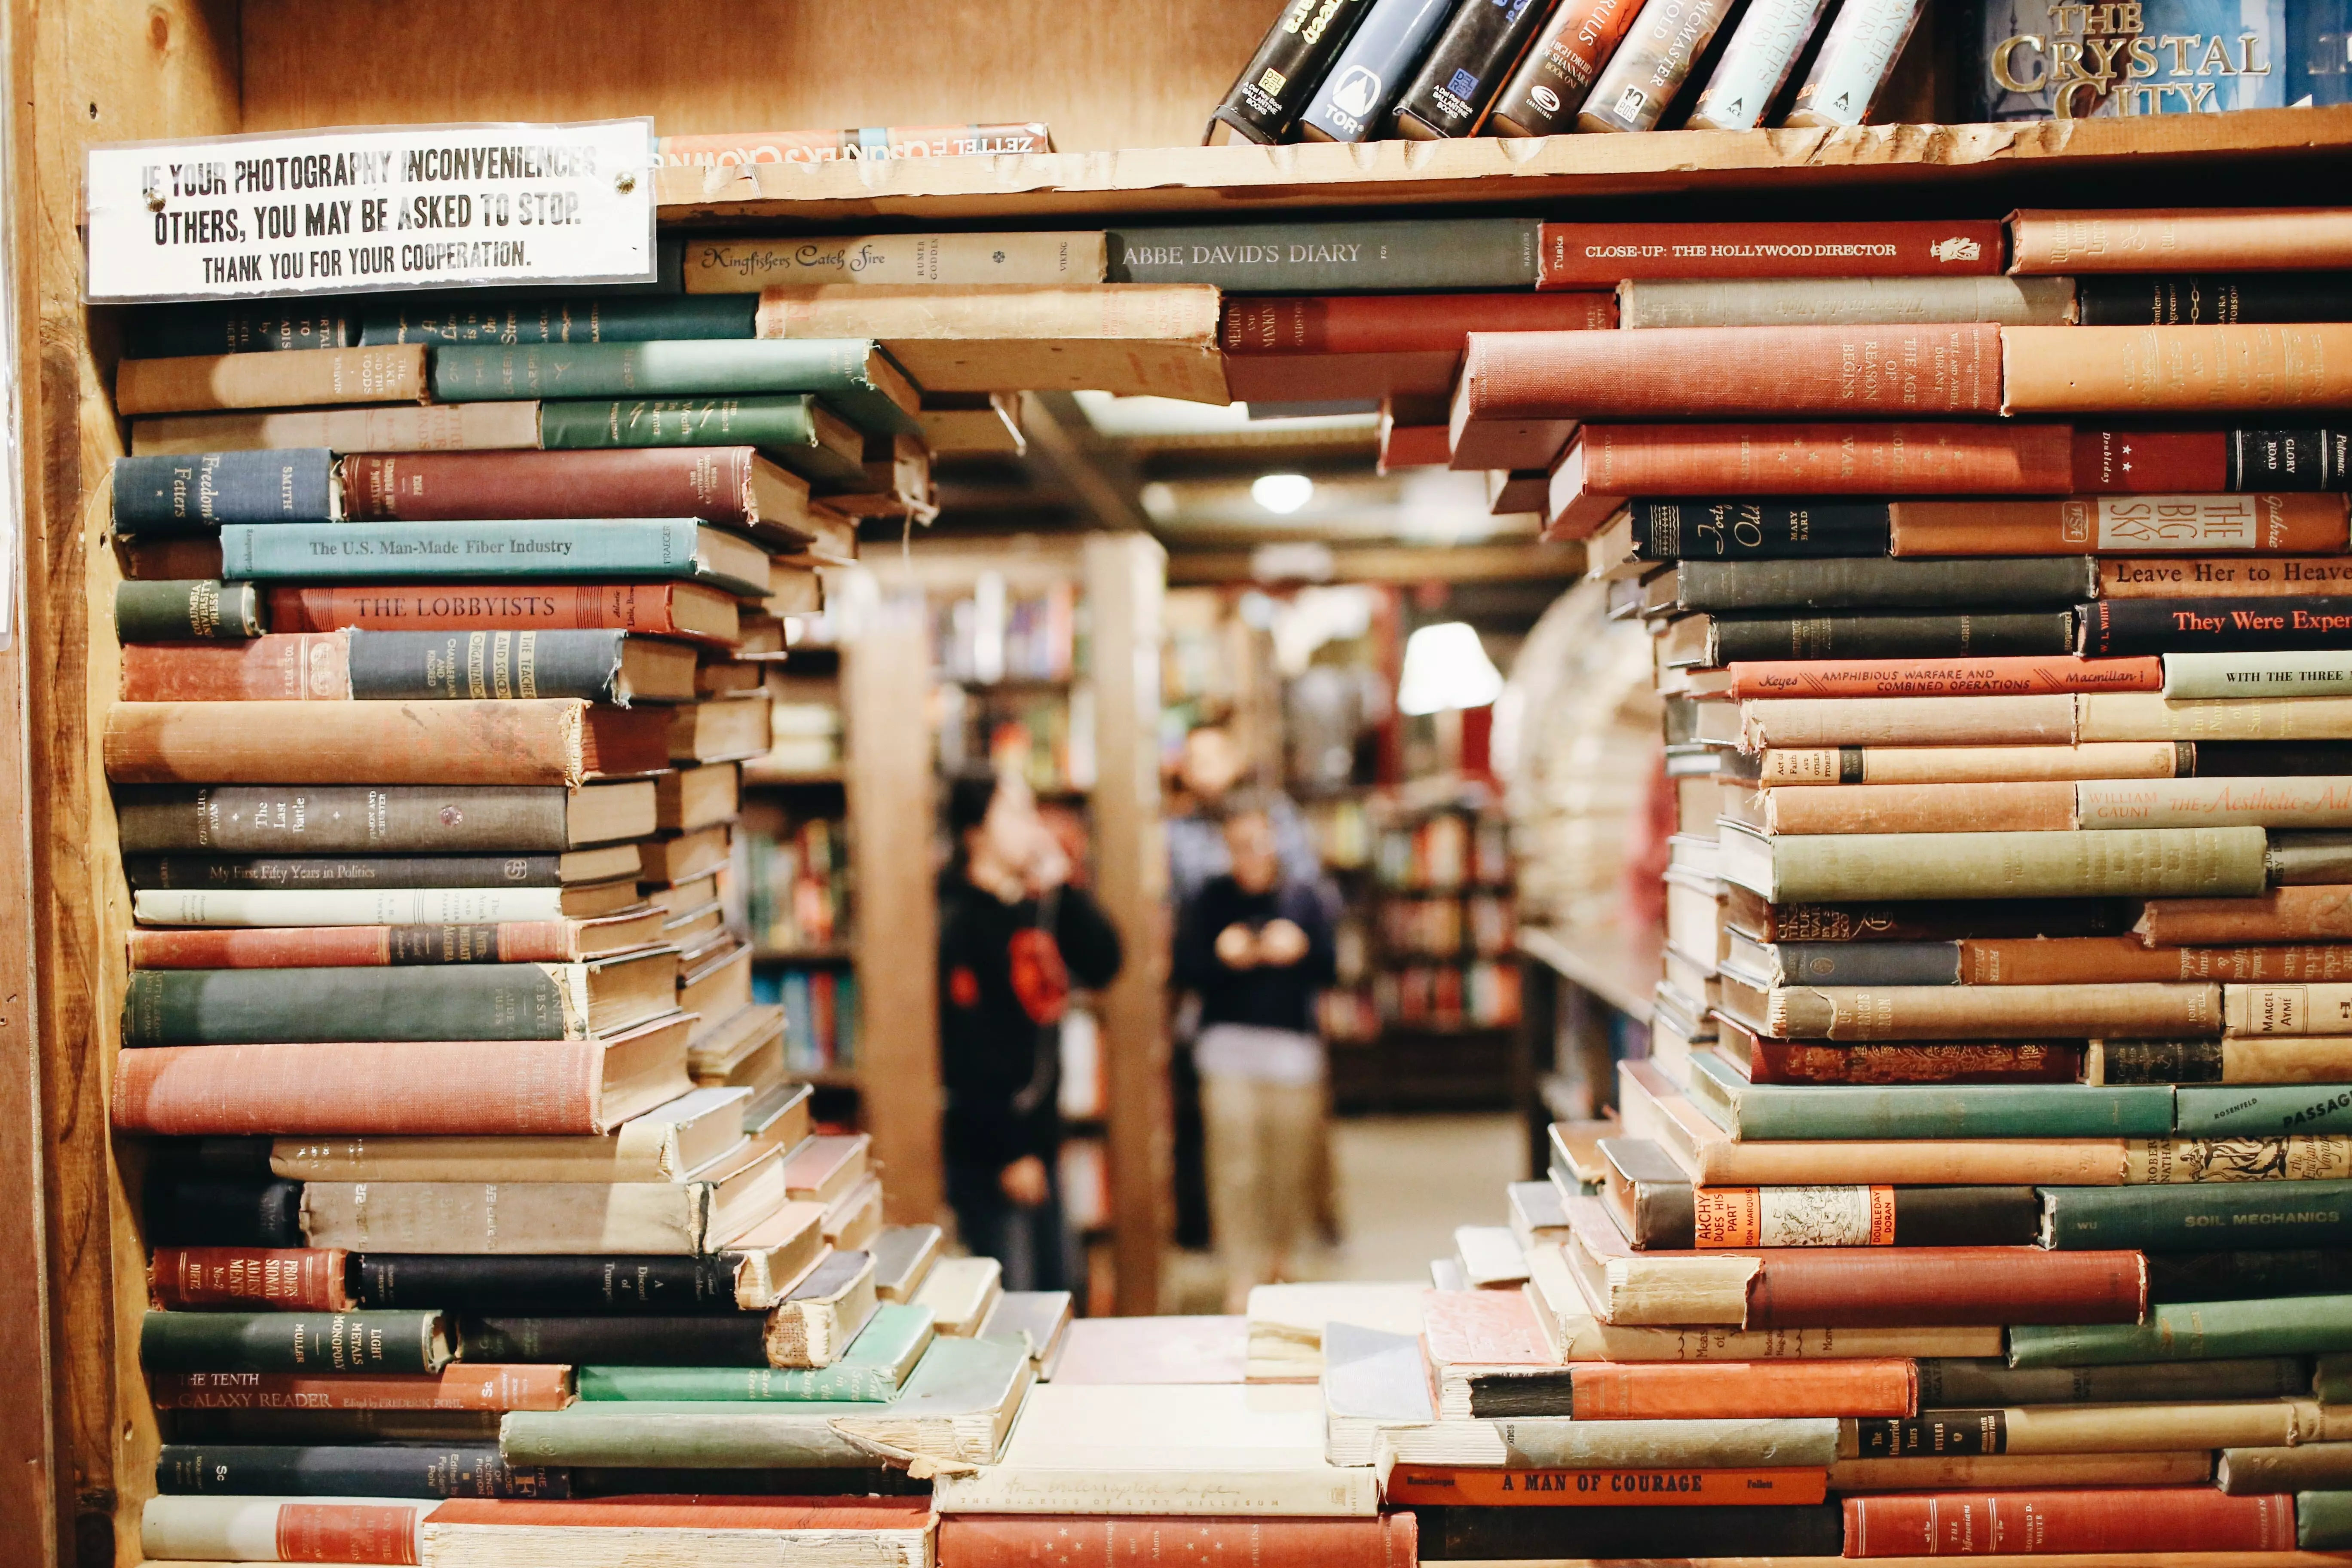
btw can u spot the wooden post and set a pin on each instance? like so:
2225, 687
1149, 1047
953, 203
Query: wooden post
1126, 577
886, 674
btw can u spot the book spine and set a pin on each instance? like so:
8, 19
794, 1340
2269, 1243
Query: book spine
272, 909
1849, 302
197, 492
709, 483
1950, 1383
1856, 55
384, 742
1748, 639
2189, 240
204, 382
1354, 101
388, 1471
556, 1285
1535, 1534
2192, 1331
738, 1385
500, 373
1643, 78
224, 1211
274, 1529
335, 874
2183, 370
1543, 95
1899, 1286
240, 1006
711, 1340
647, 608
1517, 1486
653, 547
1670, 1391
1324, 326
342, 947
1578, 255
1898, 922
2276, 915
1933, 1472
2161, 1061
178, 611
289, 1341
1333, 258
498, 665
460, 1385
2196, 1217
2158, 524
2241, 1111
1755, 65
2134, 1519
2088, 960
450, 1087
2298, 1158
2212, 298
2009, 586
1822, 459
1739, 1218
286, 668
2009, 1012
243, 819
2113, 462
780, 427
228, 327
1846, 680
1450, 94
2207, 676
1295, 55
1922, 808
1974, 765
1756, 529
1867, 721
2161, 862
2148, 716
618, 319
465, 426
2306, 1467
654, 1217
1975, 1061
290, 1280
2284, 803
1870, 963
736, 266
1013, 1540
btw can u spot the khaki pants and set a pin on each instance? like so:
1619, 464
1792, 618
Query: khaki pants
1262, 1139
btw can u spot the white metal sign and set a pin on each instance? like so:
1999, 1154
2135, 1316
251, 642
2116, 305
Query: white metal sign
324, 212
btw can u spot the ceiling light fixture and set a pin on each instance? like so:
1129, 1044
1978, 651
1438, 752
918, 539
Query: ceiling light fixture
1282, 494
1445, 666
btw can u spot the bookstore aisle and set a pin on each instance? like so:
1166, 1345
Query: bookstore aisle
1801, 654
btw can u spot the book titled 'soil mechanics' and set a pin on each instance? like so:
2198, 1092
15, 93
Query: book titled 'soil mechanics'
2040, 59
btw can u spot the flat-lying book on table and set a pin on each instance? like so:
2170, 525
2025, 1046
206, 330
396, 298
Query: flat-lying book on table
315, 1343
346, 666
1658, 1206
872, 1532
2194, 1330
875, 1366
664, 1145
470, 1387
688, 610
558, 941
2145, 1010
469, 1088
544, 741
436, 908
2159, 862
422, 819
588, 550
750, 1275
556, 1218
270, 1530
343, 1467
2101, 1519
1769, 1113
731, 486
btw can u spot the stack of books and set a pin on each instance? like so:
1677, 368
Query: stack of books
471, 1169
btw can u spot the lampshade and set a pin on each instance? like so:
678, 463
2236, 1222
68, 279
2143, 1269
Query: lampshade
1445, 666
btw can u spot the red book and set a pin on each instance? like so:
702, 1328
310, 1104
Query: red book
1581, 255
1726, 1390
250, 1278
461, 1386
1480, 1485
300, 1530
1522, 394
1411, 447
1963, 1061
1301, 348
655, 609
733, 486
2118, 1519
1030, 1541
2149, 461
2017, 676
1608, 462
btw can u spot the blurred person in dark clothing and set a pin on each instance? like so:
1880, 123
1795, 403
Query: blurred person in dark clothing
1014, 935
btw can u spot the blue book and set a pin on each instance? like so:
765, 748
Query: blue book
799, 1025
1395, 36
2243, 1110
1772, 1112
1772, 964
664, 549
196, 493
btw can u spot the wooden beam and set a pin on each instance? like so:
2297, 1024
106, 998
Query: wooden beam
1399, 563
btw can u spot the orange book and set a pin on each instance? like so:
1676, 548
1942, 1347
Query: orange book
2174, 239
2108, 524
1730, 1390
2197, 370
2318, 913
2093, 960
2005, 677
461, 1386
1427, 1486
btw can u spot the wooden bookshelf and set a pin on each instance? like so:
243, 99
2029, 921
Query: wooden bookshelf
2076, 161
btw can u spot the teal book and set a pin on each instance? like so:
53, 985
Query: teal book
270, 1006
794, 431
871, 1372
2242, 1110
1775, 1112
484, 319
2323, 1522
2193, 1331
2331, 1380
852, 376
2194, 1216
668, 549
324, 1342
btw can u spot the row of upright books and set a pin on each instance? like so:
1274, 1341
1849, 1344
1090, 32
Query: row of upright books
1997, 1048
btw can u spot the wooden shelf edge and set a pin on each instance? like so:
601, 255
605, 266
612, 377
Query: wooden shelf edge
1620, 967
1475, 169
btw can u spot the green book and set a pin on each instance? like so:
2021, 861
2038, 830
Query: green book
958, 1404
2121, 862
263, 1006
818, 445
1770, 1112
487, 319
2241, 1111
877, 1362
2193, 1331
2323, 1522
2331, 1380
294, 1342
1332, 255
588, 550
852, 376
192, 608
2198, 1216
